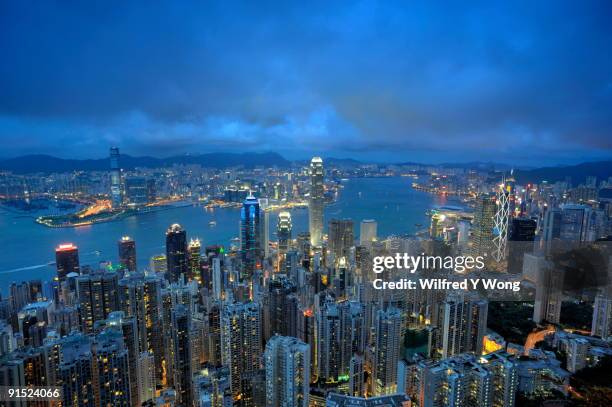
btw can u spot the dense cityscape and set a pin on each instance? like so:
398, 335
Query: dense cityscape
280, 316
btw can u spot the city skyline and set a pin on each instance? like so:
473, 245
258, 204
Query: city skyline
385, 81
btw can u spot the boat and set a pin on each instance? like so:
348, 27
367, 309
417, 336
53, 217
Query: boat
212, 223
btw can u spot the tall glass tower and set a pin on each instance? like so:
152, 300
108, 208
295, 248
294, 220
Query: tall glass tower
250, 230
115, 173
316, 204
176, 253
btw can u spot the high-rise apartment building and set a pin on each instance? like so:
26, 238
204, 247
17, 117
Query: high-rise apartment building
287, 364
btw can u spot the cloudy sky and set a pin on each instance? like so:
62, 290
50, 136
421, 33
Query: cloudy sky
525, 82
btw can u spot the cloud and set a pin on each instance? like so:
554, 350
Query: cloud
380, 77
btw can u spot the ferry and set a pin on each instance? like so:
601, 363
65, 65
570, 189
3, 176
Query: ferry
212, 223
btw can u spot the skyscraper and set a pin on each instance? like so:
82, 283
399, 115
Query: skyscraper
98, 296
250, 230
482, 226
115, 174
341, 237
287, 363
194, 259
520, 241
386, 351
66, 260
283, 231
181, 323
316, 202
367, 231
241, 340
176, 252
463, 323
127, 253
110, 369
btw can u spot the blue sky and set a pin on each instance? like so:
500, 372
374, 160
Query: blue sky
522, 82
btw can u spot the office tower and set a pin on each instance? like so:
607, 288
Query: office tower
470, 380
115, 175
501, 220
241, 340
283, 231
367, 231
74, 369
520, 241
136, 192
194, 260
181, 323
110, 368
264, 224
386, 351
482, 226
463, 323
66, 260
316, 203
250, 235
127, 253
127, 326
176, 253
601, 325
287, 363
97, 295
341, 238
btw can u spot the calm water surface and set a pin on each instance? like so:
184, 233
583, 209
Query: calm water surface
26, 248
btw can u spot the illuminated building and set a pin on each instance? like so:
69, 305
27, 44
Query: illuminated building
136, 192
128, 328
463, 323
212, 388
501, 221
264, 224
176, 253
115, 175
194, 259
140, 297
110, 368
367, 231
241, 340
181, 324
341, 238
466, 379
283, 231
482, 226
287, 364
281, 310
97, 295
127, 253
343, 400
316, 203
159, 264
66, 260
436, 229
74, 369
250, 235
386, 351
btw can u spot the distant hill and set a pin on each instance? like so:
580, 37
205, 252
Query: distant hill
600, 169
47, 164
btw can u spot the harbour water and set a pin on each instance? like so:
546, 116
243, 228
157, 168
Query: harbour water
27, 248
